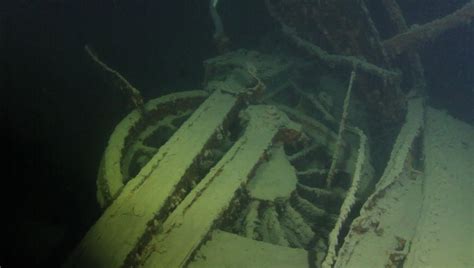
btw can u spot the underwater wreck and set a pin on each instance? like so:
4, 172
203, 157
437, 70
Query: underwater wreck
272, 162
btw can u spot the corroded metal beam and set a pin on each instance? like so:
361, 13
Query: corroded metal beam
419, 35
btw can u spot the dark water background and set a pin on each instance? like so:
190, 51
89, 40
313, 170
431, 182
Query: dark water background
57, 112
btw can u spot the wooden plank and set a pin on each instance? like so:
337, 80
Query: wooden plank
125, 222
233, 251
189, 224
